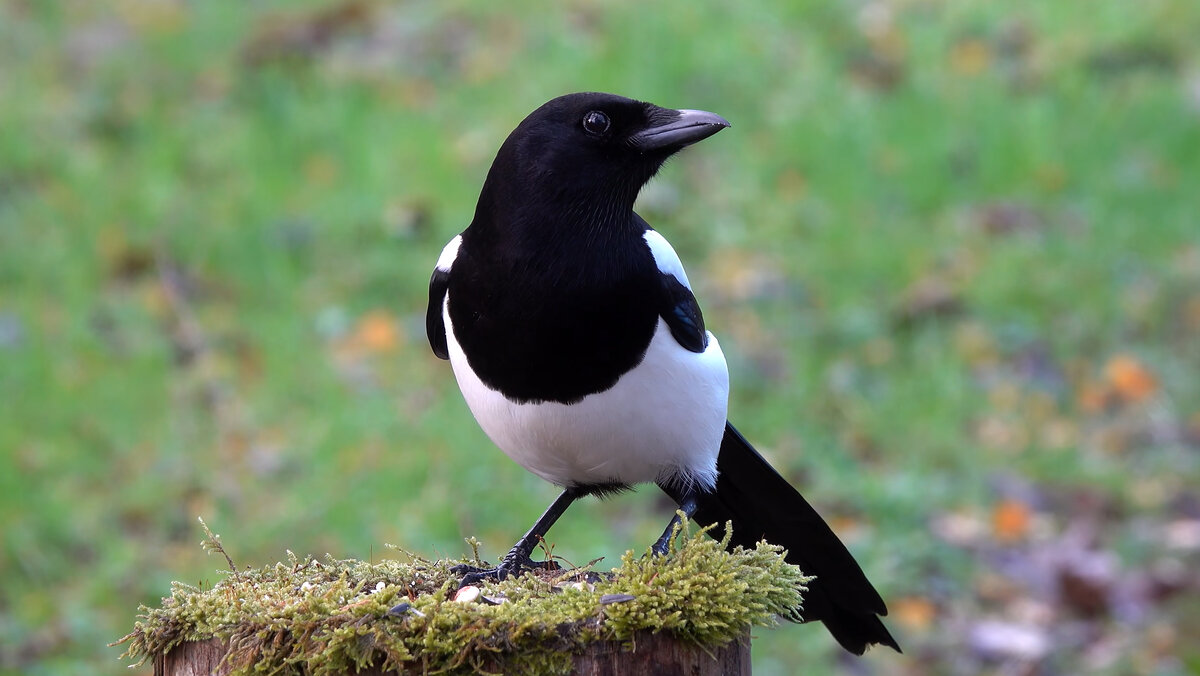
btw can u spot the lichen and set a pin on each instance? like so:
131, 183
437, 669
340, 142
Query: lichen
333, 616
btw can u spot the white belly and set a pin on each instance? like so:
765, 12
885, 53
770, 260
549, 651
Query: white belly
662, 421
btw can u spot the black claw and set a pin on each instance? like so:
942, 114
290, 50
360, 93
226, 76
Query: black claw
493, 574
517, 558
662, 545
507, 567
479, 576
467, 569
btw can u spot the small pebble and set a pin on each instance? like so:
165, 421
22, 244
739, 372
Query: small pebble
401, 609
467, 594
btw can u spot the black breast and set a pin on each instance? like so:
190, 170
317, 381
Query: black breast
555, 327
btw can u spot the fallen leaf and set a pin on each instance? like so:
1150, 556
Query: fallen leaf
975, 344
1183, 534
1002, 433
997, 640
377, 332
1086, 580
1131, 381
1006, 217
915, 612
1010, 520
970, 56
881, 64
1191, 314
281, 36
959, 528
930, 296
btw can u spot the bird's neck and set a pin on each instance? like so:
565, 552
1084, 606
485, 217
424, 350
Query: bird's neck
523, 223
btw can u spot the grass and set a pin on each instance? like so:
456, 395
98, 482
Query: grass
951, 249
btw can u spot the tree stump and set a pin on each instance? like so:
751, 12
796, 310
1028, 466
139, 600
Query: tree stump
657, 653
689, 612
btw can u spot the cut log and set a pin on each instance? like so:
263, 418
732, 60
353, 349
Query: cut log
660, 654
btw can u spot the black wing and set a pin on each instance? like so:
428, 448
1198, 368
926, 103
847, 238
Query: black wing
682, 313
435, 327
676, 303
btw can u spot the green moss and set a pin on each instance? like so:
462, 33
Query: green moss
332, 616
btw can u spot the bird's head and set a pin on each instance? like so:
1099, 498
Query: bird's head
593, 150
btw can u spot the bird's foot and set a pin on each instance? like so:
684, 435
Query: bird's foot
662, 545
508, 567
468, 569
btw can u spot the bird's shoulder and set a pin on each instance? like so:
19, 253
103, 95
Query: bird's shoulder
439, 283
677, 304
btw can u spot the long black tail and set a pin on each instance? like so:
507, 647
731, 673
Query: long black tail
763, 505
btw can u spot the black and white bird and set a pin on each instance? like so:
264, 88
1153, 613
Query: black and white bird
579, 347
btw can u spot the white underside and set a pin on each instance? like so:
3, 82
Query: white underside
662, 421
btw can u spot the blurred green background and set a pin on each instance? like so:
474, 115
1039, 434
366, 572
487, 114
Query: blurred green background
952, 250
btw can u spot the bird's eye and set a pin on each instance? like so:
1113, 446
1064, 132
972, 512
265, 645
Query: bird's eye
596, 122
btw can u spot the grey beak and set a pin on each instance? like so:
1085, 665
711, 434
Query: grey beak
689, 127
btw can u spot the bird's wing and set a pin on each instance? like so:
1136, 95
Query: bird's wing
677, 304
439, 284
683, 316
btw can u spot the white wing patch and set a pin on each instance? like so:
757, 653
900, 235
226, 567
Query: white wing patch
449, 253
665, 257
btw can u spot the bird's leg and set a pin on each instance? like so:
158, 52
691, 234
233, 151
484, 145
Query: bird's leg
517, 558
687, 505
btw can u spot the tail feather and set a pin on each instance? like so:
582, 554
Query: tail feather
761, 504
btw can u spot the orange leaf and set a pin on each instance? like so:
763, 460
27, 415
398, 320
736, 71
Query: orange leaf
377, 332
1129, 378
915, 611
844, 525
1010, 520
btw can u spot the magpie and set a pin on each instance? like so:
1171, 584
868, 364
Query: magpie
576, 340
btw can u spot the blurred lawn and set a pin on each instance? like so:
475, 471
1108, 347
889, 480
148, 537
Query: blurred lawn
952, 250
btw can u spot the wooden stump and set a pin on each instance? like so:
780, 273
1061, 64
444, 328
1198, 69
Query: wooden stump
659, 654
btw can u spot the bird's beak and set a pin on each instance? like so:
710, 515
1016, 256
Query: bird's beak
681, 128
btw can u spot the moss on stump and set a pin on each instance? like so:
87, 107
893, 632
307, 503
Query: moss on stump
336, 616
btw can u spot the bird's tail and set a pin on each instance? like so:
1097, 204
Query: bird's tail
762, 505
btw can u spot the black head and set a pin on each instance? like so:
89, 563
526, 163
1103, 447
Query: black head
593, 150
